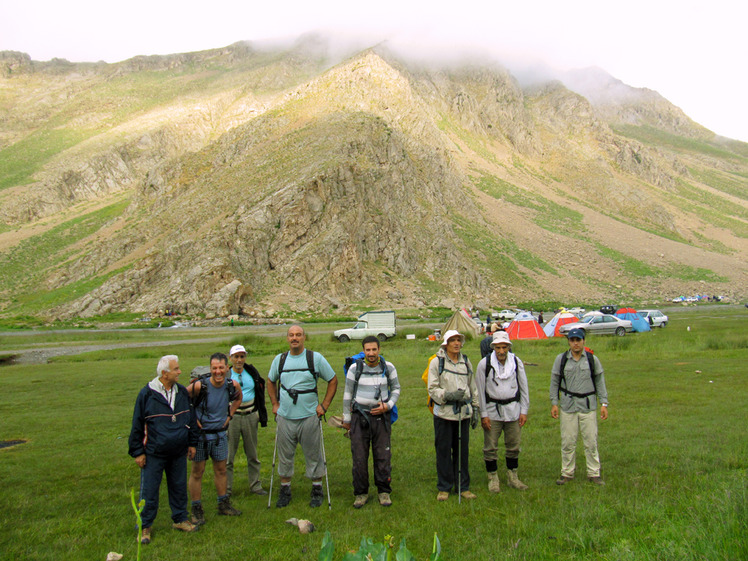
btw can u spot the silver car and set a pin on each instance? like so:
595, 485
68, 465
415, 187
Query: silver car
600, 325
655, 317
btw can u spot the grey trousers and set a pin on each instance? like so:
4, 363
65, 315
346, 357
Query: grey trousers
512, 434
244, 428
305, 432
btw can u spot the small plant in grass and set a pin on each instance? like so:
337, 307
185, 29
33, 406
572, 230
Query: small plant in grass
138, 508
376, 551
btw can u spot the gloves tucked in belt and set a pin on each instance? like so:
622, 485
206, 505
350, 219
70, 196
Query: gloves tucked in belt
456, 395
475, 419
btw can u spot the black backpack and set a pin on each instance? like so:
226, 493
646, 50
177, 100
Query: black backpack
591, 362
489, 368
201, 398
310, 368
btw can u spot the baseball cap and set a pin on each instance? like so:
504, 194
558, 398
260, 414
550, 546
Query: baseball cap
237, 349
575, 333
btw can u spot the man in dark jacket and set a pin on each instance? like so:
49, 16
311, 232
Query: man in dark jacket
243, 426
164, 433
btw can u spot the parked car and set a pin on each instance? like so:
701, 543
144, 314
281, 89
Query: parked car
504, 315
600, 325
655, 317
608, 309
577, 311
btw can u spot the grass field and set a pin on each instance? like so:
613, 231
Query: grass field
674, 454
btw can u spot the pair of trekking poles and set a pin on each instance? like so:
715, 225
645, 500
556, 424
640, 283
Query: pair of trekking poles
324, 461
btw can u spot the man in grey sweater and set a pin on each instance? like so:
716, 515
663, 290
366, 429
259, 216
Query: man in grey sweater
371, 391
578, 382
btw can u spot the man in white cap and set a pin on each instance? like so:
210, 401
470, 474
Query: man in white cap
504, 402
452, 389
248, 416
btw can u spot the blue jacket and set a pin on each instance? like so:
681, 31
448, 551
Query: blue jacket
159, 431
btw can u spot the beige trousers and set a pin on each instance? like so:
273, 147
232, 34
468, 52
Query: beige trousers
571, 425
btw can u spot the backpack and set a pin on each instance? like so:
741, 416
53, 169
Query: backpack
358, 360
425, 376
489, 368
591, 362
310, 368
199, 374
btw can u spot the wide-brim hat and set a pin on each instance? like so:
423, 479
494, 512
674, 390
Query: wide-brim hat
500, 337
452, 333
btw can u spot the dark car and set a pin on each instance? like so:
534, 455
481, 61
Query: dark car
608, 309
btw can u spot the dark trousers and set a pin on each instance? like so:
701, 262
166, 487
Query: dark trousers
447, 444
376, 435
176, 482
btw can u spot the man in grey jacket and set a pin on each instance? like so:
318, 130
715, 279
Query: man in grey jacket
452, 389
504, 402
578, 382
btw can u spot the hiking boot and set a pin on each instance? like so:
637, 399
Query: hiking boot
146, 537
493, 482
260, 491
185, 526
442, 496
469, 495
513, 481
384, 499
225, 508
285, 496
360, 501
316, 496
563, 480
198, 515
597, 480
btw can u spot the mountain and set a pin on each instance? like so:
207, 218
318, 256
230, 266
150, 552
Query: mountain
276, 180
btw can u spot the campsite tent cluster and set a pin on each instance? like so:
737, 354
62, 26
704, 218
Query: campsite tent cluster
525, 326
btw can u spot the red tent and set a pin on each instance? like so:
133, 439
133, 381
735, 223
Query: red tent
525, 328
626, 311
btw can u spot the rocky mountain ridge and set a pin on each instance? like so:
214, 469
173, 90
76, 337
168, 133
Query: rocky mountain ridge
260, 182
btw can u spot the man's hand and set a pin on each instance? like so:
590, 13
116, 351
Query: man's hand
276, 406
140, 460
191, 451
522, 420
320, 410
554, 411
603, 412
485, 422
380, 409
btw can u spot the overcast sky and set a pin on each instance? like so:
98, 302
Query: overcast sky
691, 52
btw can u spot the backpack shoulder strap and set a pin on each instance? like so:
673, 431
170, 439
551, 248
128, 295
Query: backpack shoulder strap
310, 364
561, 368
591, 362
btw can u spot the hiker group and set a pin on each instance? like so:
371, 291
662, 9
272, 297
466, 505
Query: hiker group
226, 403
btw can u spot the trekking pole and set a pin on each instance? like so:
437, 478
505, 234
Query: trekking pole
324, 461
272, 471
459, 459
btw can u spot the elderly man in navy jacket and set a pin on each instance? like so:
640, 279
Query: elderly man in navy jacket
164, 433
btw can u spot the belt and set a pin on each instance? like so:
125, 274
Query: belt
246, 410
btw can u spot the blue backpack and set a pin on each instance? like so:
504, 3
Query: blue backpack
358, 359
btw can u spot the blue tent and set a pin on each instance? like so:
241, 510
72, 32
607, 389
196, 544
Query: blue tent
637, 322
